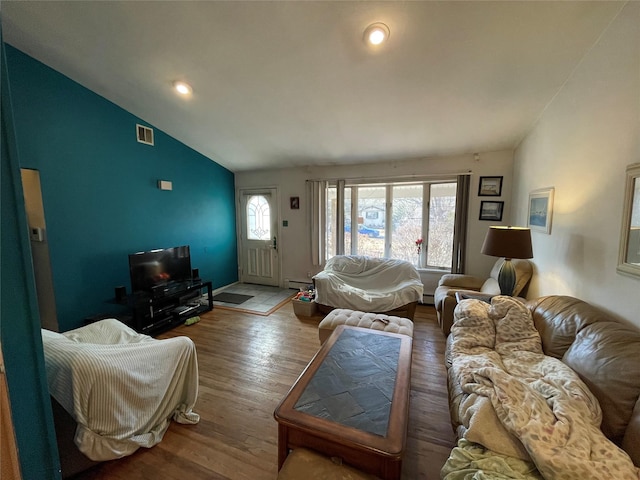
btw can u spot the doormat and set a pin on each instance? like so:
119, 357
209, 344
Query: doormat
266, 299
234, 298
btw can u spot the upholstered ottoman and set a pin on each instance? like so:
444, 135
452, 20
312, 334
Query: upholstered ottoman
305, 464
355, 318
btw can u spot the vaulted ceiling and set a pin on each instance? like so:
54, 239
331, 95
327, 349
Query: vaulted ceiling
291, 83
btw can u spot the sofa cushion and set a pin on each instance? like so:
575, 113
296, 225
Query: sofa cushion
515, 330
606, 355
490, 286
476, 329
559, 319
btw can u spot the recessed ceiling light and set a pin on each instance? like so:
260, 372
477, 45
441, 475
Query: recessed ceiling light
182, 88
376, 33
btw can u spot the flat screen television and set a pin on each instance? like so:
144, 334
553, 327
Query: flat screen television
155, 268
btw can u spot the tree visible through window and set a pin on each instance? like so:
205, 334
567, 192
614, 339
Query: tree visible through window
369, 233
407, 219
442, 215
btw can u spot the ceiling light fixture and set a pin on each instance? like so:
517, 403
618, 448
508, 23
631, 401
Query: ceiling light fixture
376, 33
182, 88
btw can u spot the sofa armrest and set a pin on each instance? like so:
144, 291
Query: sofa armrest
466, 282
631, 440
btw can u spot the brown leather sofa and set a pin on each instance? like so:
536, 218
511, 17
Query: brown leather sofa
605, 353
602, 350
450, 284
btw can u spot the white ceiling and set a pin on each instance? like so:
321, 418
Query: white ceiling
280, 84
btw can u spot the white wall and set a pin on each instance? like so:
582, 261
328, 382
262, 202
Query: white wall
581, 146
294, 240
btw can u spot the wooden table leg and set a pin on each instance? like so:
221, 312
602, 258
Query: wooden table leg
392, 470
283, 444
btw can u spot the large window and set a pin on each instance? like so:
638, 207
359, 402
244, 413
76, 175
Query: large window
412, 221
367, 232
442, 209
406, 222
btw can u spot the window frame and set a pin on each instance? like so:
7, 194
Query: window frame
354, 185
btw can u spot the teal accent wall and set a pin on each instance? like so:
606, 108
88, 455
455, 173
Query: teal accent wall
19, 319
100, 193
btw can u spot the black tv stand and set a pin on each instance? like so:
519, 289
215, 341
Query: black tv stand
167, 306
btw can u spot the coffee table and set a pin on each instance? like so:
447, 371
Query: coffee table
351, 401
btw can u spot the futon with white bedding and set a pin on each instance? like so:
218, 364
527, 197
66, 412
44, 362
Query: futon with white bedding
368, 284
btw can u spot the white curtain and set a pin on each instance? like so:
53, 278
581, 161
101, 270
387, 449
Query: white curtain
316, 191
339, 220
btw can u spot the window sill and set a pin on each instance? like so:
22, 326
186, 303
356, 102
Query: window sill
442, 271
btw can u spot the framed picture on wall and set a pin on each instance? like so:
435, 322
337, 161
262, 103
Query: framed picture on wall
491, 211
490, 187
294, 203
540, 210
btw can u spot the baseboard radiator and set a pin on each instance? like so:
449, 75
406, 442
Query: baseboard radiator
427, 297
297, 284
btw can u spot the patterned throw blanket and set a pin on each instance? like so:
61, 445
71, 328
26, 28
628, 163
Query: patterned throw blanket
547, 412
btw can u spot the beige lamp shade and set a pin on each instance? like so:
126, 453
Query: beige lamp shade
508, 242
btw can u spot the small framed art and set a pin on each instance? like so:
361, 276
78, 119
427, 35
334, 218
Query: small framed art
294, 203
540, 210
491, 211
490, 187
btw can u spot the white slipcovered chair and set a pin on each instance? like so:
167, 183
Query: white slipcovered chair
367, 284
121, 389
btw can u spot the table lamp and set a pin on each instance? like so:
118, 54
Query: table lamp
508, 242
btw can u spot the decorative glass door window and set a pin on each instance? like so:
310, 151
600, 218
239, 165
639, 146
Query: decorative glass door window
258, 218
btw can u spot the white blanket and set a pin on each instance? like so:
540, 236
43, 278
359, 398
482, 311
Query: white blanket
121, 387
368, 284
496, 354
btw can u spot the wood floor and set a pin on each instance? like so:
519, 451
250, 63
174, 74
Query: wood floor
247, 364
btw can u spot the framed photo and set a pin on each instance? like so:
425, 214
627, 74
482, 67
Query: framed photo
540, 210
294, 203
490, 187
491, 211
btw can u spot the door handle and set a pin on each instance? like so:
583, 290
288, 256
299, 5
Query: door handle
275, 244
